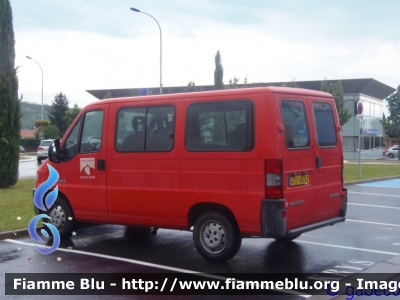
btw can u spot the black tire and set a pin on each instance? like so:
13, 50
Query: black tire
59, 214
391, 155
287, 239
216, 237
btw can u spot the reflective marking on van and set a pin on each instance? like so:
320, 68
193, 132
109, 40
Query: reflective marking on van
396, 196
380, 206
375, 223
349, 248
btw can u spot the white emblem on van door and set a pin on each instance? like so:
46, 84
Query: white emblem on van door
87, 168
334, 195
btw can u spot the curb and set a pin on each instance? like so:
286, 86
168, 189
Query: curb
12, 234
370, 180
26, 160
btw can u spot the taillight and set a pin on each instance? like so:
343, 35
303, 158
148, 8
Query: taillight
273, 179
40, 148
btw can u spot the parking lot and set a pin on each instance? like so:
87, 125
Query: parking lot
369, 236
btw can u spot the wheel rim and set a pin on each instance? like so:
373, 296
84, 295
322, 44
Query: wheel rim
57, 217
213, 237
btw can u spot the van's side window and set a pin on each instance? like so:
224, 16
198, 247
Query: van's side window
221, 126
71, 142
294, 117
324, 124
145, 129
92, 131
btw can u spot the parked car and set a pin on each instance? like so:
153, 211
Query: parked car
21, 149
393, 152
42, 150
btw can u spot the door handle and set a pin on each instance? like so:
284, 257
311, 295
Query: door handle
319, 162
101, 165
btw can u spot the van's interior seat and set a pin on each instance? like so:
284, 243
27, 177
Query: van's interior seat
238, 137
160, 140
134, 141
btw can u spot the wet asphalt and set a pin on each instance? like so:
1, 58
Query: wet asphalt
369, 236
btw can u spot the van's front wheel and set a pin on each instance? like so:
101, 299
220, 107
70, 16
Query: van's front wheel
60, 216
216, 237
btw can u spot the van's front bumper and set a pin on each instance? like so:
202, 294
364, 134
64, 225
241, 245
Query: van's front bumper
273, 218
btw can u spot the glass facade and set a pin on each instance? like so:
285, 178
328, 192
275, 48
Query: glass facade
369, 129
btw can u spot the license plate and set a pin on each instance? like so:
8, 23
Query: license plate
299, 180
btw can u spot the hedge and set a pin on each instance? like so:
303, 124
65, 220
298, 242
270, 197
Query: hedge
29, 144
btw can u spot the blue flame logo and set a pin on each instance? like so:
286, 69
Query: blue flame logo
44, 205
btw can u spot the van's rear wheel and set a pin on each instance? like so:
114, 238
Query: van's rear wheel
287, 239
60, 216
216, 237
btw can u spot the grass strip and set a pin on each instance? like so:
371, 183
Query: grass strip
16, 202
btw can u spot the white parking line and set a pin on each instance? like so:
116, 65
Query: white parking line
375, 223
350, 248
138, 262
396, 196
380, 206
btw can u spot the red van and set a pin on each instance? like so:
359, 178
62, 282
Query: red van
233, 163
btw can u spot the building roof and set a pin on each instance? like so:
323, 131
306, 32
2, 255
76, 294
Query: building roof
27, 133
366, 86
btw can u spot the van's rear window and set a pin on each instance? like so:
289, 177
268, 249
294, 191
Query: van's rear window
295, 122
324, 124
219, 126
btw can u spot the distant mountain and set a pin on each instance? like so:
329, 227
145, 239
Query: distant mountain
32, 112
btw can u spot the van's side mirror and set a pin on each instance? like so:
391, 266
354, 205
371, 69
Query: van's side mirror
55, 154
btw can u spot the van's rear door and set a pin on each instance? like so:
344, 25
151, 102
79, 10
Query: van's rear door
298, 156
328, 153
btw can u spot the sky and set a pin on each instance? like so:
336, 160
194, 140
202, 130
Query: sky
97, 44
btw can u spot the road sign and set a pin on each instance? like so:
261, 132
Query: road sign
360, 107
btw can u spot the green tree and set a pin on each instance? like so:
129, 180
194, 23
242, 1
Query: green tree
107, 96
392, 122
292, 83
58, 111
40, 123
10, 109
336, 89
71, 114
218, 73
190, 87
51, 132
233, 83
40, 126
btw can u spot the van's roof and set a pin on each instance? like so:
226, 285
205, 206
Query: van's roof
227, 92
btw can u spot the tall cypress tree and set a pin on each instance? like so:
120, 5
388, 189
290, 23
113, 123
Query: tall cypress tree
10, 110
58, 111
218, 73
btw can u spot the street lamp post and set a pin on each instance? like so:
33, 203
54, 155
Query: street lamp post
136, 10
41, 123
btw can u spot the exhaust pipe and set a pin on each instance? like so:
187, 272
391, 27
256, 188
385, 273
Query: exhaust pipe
154, 230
